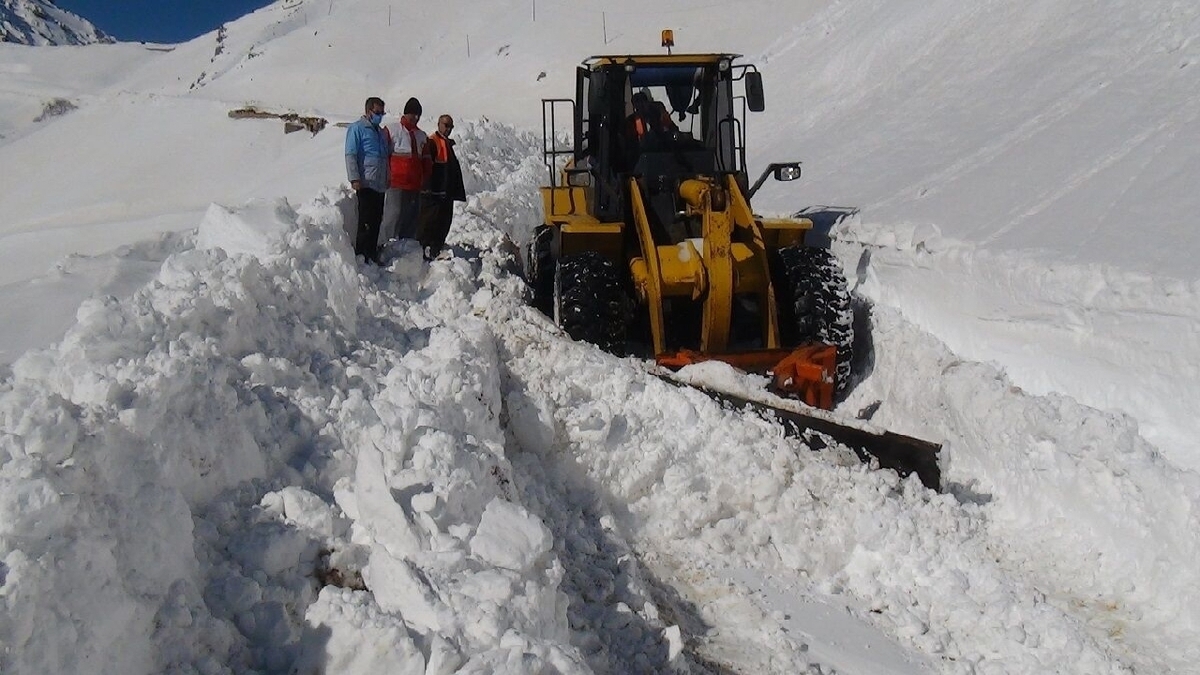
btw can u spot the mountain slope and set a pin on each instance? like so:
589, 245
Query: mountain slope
41, 22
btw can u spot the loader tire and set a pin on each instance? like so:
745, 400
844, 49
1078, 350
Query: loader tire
539, 269
814, 304
590, 303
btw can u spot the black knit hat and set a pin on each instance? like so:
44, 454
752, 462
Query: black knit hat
412, 107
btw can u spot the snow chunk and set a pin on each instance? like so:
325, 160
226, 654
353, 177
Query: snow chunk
259, 228
510, 537
360, 638
723, 377
307, 510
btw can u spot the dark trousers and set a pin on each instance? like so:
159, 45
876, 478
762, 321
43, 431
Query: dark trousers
370, 215
436, 214
400, 212
410, 209
401, 209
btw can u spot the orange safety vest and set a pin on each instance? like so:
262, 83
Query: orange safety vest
441, 151
409, 171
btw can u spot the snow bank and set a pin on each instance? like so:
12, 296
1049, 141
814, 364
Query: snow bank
1075, 501
191, 466
1111, 339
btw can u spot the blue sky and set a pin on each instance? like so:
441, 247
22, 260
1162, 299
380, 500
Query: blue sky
159, 20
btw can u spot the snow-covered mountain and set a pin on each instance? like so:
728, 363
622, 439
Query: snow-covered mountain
41, 22
225, 446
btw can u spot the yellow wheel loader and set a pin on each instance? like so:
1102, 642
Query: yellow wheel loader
649, 237
649, 243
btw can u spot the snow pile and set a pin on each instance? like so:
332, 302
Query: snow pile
188, 468
1074, 500
705, 489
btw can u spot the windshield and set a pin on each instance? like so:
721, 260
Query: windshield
676, 91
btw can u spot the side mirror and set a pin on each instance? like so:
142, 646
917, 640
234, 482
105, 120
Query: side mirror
754, 91
787, 172
784, 171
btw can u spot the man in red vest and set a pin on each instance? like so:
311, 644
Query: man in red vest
444, 187
410, 167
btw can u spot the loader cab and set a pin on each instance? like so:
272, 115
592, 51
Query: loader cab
661, 119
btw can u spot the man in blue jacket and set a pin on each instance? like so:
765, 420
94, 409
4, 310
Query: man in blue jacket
367, 154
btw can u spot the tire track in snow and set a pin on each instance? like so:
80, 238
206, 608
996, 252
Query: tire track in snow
1182, 118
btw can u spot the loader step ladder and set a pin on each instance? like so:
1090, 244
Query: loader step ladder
554, 155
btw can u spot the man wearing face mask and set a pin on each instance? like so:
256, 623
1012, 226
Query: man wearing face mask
367, 154
442, 189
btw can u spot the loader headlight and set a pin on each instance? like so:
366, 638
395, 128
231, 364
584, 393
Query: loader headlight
787, 172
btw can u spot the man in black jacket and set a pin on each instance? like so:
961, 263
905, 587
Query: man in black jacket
444, 187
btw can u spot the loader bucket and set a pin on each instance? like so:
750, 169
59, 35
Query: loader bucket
806, 372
